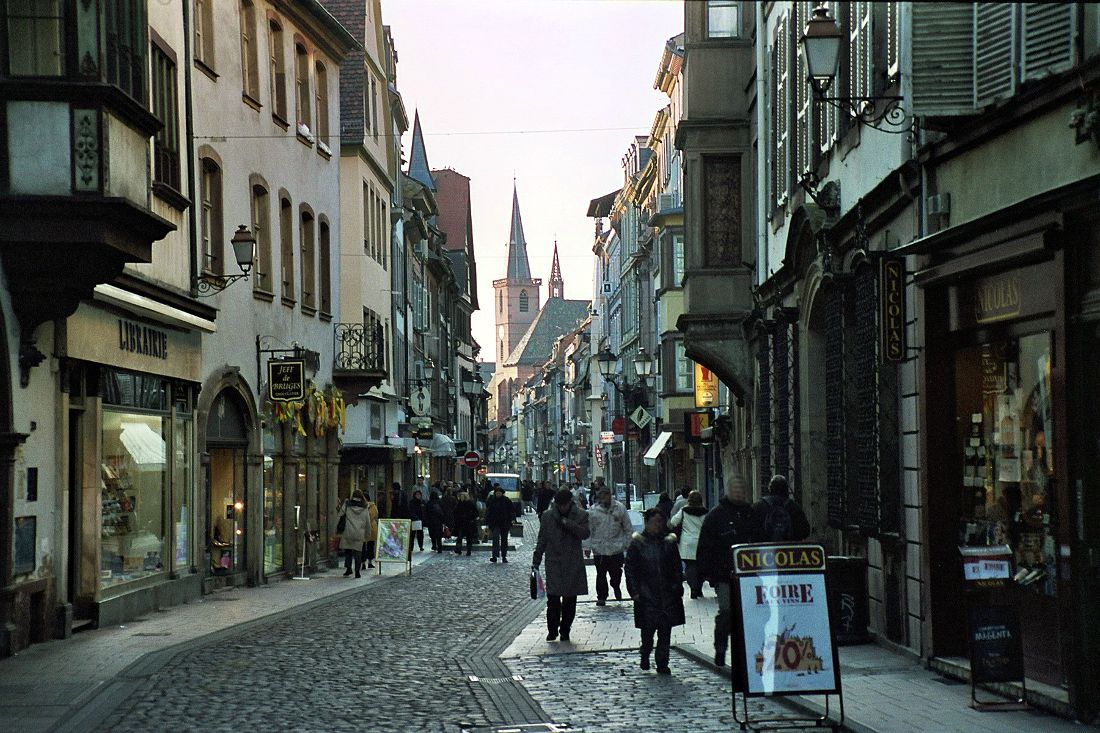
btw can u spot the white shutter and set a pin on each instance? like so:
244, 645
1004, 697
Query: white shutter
803, 158
943, 59
995, 55
781, 63
1048, 39
892, 59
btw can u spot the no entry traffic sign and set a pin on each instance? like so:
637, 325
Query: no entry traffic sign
472, 459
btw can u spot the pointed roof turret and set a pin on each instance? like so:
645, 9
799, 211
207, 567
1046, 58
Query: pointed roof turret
518, 266
418, 158
557, 285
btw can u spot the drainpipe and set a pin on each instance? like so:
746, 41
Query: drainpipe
192, 215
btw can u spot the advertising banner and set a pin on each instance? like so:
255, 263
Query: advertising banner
996, 649
784, 620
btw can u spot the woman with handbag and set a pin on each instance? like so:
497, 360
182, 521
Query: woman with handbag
416, 514
354, 527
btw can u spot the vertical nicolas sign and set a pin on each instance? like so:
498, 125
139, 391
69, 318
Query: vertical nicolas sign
893, 309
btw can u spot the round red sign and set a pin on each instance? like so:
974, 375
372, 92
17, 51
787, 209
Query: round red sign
472, 459
618, 425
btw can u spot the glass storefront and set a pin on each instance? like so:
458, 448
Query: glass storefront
1005, 428
273, 505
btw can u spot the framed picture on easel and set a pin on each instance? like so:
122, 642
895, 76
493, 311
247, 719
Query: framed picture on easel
394, 543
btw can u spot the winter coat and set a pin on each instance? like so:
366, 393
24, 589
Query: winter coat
560, 540
358, 525
448, 503
654, 581
543, 499
799, 525
499, 512
466, 514
688, 522
416, 510
433, 514
610, 529
665, 505
680, 503
725, 525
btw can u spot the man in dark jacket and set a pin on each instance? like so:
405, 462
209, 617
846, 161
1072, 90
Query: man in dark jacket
655, 583
499, 514
727, 524
561, 529
543, 498
777, 517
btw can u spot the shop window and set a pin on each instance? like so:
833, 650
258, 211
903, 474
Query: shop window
38, 26
183, 449
273, 505
1006, 439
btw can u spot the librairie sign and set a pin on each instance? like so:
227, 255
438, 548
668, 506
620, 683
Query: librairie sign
784, 620
286, 380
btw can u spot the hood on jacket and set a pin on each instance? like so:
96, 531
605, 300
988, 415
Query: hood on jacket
640, 536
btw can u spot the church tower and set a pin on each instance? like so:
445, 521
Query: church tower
516, 302
557, 285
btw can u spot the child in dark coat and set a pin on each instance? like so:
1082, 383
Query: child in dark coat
655, 583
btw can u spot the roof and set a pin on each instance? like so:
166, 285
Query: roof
557, 317
602, 206
518, 266
418, 157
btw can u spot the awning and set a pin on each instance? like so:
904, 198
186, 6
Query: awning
442, 445
145, 447
650, 457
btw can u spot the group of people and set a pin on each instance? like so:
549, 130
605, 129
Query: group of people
655, 560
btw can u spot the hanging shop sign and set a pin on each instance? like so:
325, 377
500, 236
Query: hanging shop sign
892, 306
96, 335
286, 380
706, 387
784, 632
694, 425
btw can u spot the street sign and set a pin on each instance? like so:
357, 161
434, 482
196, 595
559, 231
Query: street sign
608, 436
420, 401
472, 459
572, 468
641, 417
286, 380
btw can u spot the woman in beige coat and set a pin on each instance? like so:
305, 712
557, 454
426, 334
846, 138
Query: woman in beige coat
357, 528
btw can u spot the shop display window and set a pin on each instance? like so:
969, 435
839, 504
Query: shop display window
183, 440
132, 493
1005, 431
273, 506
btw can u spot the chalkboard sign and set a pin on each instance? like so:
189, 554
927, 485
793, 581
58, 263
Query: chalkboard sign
996, 649
26, 529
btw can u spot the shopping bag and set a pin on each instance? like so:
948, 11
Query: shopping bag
538, 588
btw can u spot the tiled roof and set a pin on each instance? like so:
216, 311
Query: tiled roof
557, 317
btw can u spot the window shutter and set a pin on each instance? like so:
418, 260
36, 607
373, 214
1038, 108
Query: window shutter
943, 59
1048, 38
995, 54
893, 66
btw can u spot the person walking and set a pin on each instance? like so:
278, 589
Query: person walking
687, 523
527, 496
372, 536
655, 583
448, 504
544, 498
681, 500
433, 520
416, 514
610, 529
727, 524
499, 514
664, 503
465, 522
561, 530
357, 527
777, 517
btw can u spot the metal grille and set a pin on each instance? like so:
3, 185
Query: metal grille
834, 407
763, 409
865, 414
359, 347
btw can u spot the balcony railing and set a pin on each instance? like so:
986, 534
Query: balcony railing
359, 356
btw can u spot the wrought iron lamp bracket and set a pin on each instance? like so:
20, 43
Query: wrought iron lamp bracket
885, 113
207, 285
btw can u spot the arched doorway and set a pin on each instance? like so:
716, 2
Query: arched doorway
227, 440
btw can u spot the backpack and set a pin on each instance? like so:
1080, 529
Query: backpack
777, 522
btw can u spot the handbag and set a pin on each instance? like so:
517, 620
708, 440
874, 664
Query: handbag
538, 587
342, 524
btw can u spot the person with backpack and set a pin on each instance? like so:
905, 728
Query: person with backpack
727, 524
777, 517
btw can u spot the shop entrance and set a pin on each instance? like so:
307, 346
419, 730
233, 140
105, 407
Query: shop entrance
226, 489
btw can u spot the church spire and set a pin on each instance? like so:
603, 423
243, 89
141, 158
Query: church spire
557, 286
418, 157
518, 266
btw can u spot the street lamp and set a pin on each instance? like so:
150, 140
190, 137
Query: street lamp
244, 252
821, 44
643, 366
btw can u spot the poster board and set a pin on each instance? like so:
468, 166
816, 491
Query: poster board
785, 634
394, 543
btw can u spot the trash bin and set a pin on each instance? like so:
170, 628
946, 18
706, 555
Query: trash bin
848, 603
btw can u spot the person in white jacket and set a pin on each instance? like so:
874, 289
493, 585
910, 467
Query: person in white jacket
687, 523
611, 530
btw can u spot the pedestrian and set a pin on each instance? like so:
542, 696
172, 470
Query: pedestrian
610, 535
561, 530
727, 524
527, 496
399, 507
416, 514
580, 496
465, 522
681, 500
687, 523
655, 584
544, 498
499, 514
664, 503
777, 517
433, 520
357, 527
448, 504
372, 537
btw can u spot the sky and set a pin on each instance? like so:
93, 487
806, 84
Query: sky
550, 92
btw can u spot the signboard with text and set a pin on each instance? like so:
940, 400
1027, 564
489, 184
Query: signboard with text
893, 309
996, 648
784, 629
706, 387
286, 380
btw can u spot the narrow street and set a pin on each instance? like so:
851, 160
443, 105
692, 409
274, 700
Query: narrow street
434, 651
